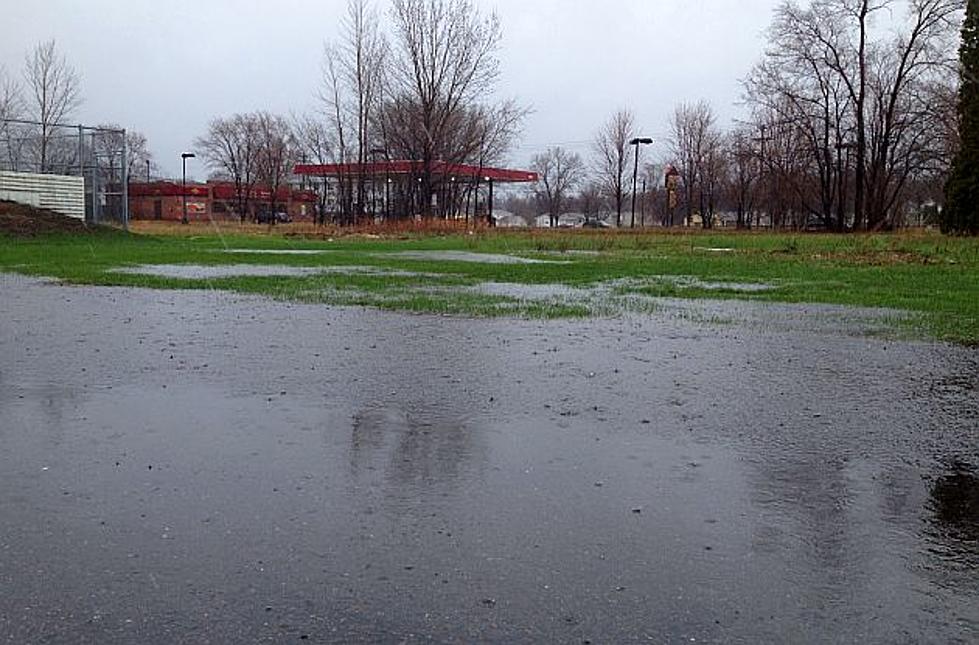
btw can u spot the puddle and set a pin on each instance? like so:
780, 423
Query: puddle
525, 475
548, 292
202, 272
581, 252
276, 251
693, 282
715, 249
606, 291
955, 504
464, 256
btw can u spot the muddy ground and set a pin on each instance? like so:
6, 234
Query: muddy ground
188, 467
22, 220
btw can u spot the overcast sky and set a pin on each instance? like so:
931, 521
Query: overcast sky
166, 67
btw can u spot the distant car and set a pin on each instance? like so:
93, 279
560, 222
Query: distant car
596, 223
280, 218
815, 224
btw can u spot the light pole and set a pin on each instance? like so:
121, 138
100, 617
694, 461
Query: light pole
183, 158
642, 206
842, 183
638, 141
489, 215
387, 178
147, 171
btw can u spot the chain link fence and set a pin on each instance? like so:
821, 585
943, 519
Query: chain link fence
99, 155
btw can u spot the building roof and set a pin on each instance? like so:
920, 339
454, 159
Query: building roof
399, 168
216, 190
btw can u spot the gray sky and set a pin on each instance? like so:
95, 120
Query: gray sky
165, 67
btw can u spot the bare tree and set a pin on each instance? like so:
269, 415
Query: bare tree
901, 135
10, 99
655, 207
316, 143
840, 29
497, 128
483, 137
351, 89
108, 144
795, 86
423, 98
844, 86
363, 49
613, 155
333, 94
10, 108
695, 145
559, 172
743, 176
591, 201
445, 61
53, 93
275, 155
230, 148
138, 155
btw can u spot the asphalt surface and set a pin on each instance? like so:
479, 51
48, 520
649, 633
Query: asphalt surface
201, 467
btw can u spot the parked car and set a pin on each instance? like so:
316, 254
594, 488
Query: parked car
596, 223
280, 218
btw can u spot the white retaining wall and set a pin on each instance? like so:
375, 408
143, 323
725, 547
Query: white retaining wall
59, 193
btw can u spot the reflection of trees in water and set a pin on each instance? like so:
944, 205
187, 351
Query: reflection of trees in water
54, 407
411, 452
810, 498
951, 534
955, 507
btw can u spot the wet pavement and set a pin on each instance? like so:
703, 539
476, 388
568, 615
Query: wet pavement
188, 467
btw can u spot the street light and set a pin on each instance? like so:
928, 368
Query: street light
638, 141
489, 216
374, 152
183, 158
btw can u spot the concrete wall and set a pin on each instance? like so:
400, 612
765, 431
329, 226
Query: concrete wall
59, 193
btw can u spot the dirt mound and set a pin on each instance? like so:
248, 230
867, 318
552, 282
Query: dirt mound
22, 220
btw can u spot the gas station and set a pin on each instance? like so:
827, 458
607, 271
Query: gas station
394, 189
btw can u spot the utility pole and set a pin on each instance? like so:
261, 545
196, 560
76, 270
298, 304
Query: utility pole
763, 140
183, 191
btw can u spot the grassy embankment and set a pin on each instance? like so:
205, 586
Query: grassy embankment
934, 278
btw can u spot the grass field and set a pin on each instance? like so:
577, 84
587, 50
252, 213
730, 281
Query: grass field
935, 278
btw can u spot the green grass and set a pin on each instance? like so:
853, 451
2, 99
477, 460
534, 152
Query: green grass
934, 277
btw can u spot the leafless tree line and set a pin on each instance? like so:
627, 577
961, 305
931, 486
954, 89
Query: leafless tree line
852, 122
421, 93
35, 110
251, 150
47, 94
853, 103
852, 117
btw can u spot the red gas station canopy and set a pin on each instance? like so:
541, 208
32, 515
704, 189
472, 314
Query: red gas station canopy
392, 168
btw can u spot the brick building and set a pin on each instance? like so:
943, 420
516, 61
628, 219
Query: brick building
163, 200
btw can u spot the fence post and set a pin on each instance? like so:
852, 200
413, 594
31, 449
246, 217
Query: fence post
125, 182
81, 162
93, 173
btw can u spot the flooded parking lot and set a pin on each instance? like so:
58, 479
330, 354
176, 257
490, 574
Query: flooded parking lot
202, 466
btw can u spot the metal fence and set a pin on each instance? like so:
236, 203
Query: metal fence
98, 155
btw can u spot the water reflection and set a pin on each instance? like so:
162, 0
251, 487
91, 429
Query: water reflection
407, 451
955, 508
